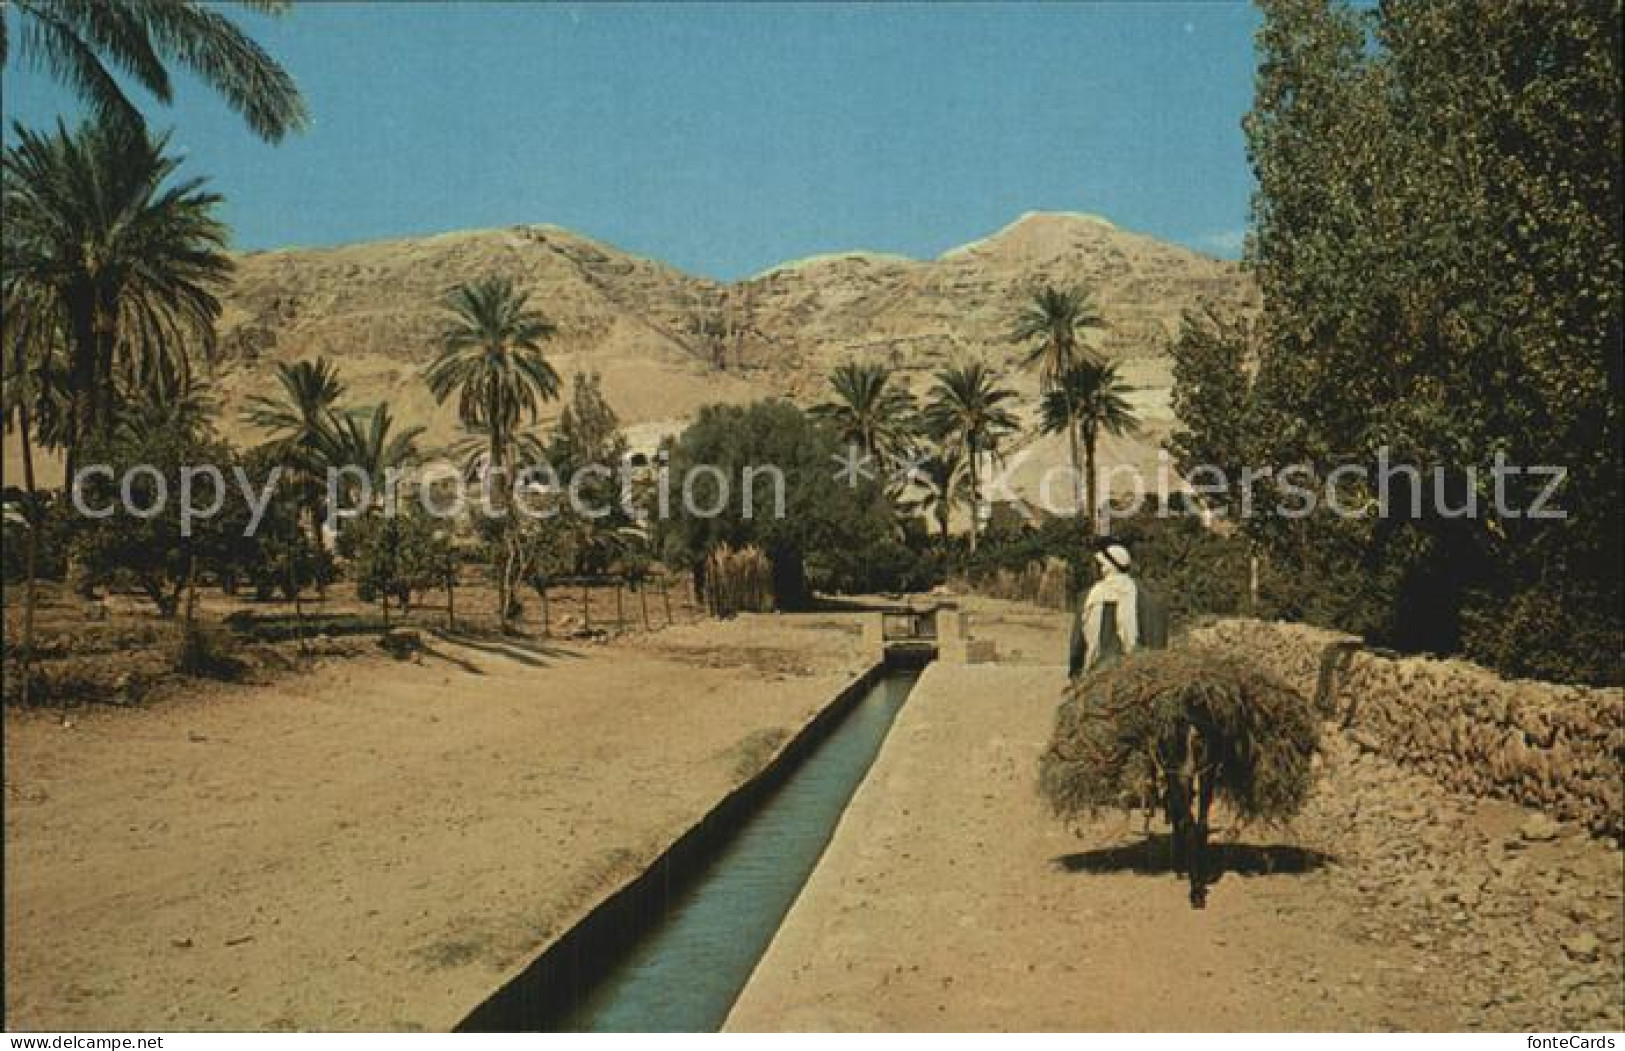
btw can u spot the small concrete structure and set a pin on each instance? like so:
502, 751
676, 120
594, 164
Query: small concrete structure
904, 632
955, 644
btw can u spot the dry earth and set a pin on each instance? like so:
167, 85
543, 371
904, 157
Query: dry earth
375, 845
956, 902
380, 844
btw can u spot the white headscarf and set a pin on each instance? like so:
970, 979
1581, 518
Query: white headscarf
1114, 559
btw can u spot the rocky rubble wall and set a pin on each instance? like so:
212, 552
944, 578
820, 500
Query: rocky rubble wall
1556, 748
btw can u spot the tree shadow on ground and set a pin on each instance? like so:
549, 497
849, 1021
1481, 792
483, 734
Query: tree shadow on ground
452, 659
1154, 855
525, 651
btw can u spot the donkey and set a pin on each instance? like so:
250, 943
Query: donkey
1189, 767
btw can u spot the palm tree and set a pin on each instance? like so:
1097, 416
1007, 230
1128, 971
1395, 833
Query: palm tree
35, 395
84, 43
869, 412
474, 451
491, 359
966, 411
945, 483
300, 417
1053, 325
361, 440
366, 440
300, 425
130, 263
1088, 400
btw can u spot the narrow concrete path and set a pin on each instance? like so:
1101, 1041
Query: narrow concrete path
950, 899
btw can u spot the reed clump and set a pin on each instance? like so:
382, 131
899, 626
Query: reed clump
738, 580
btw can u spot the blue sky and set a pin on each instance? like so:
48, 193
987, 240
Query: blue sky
724, 139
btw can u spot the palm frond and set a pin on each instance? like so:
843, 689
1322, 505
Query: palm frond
870, 410
129, 260
1090, 396
491, 361
83, 42
1055, 321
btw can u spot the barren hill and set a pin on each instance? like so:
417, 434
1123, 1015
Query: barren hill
923, 314
667, 342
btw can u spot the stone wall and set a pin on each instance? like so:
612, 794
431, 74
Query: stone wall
1557, 748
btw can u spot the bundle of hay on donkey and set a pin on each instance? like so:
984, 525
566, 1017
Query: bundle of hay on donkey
1180, 727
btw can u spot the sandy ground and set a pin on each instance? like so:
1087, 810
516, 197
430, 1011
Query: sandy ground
954, 901
375, 845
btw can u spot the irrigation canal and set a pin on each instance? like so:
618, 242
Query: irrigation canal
676, 952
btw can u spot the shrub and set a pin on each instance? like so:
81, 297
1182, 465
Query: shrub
998, 565
395, 556
284, 563
208, 651
887, 565
55, 521
1197, 571
1047, 583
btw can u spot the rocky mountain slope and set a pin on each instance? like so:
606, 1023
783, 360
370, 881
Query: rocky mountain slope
667, 342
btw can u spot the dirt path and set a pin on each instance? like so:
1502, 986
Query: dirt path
374, 845
949, 899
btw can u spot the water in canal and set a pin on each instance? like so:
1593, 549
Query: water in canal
684, 974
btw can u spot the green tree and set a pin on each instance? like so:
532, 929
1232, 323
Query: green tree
396, 554
473, 450
491, 359
966, 411
747, 449
166, 396
130, 262
1213, 358
1088, 400
31, 342
1053, 325
300, 418
589, 454
589, 431
157, 551
1437, 238
89, 44
367, 441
